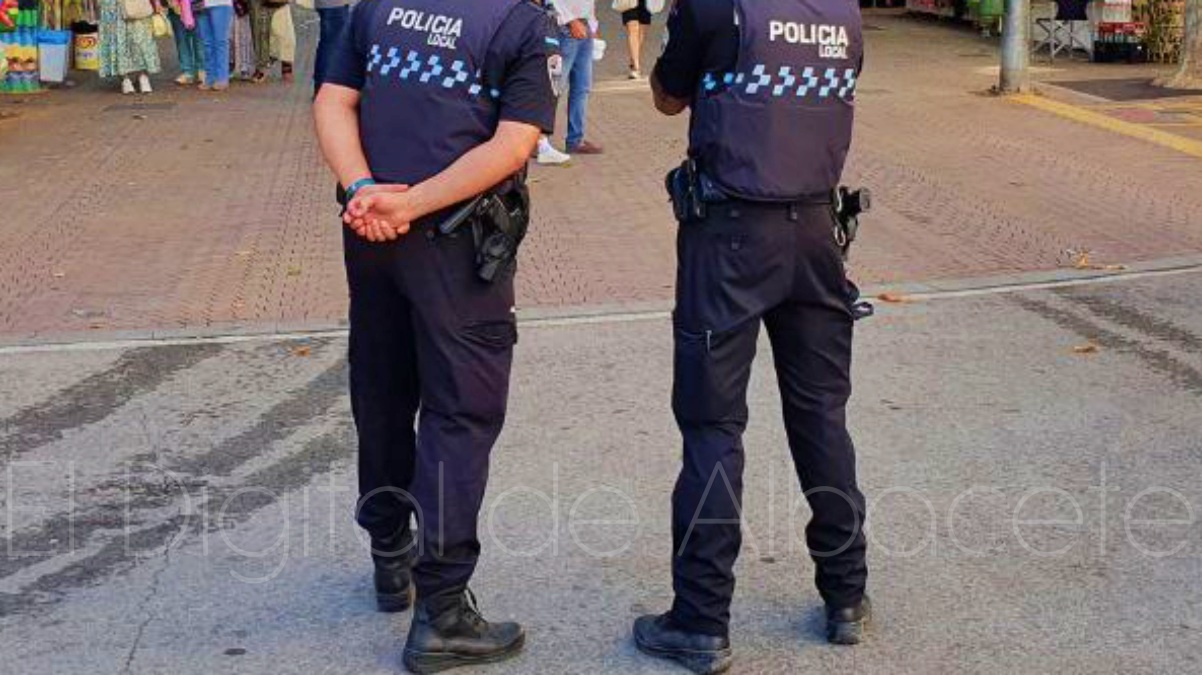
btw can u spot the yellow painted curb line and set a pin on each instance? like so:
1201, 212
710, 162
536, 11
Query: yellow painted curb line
1084, 116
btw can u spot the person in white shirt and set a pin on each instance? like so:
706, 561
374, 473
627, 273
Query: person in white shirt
578, 28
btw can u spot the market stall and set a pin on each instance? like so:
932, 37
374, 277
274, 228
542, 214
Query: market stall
36, 40
1103, 30
985, 14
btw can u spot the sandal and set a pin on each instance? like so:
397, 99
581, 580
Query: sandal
259, 77
185, 80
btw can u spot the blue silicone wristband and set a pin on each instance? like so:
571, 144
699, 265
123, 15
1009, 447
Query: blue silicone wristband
358, 185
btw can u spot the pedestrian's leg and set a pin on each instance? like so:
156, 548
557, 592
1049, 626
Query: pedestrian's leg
196, 48
384, 387
221, 19
283, 40
187, 64
466, 334
260, 27
208, 42
569, 50
634, 43
811, 343
580, 83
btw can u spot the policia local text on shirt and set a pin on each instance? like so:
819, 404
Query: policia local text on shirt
771, 86
427, 105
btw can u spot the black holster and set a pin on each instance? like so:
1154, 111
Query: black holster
499, 222
691, 191
847, 205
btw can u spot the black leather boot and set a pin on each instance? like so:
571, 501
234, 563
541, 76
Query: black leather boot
661, 637
845, 625
393, 558
452, 634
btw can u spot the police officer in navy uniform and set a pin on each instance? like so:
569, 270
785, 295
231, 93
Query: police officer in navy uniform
770, 85
426, 105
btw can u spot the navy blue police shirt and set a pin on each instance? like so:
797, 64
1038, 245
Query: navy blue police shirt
732, 113
517, 72
702, 38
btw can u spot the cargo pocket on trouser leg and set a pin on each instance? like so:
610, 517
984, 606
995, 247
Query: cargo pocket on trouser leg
499, 334
711, 369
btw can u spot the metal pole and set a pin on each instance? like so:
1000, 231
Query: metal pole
1016, 47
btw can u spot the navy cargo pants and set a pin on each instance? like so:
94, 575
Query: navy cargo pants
747, 264
430, 353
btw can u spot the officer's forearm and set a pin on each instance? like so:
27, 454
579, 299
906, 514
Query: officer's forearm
477, 171
336, 115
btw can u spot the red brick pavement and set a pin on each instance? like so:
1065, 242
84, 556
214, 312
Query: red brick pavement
213, 210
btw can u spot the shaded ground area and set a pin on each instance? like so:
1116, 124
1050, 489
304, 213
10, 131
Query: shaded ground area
1033, 494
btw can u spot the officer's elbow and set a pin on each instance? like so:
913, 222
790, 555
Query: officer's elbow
519, 156
670, 106
665, 103
514, 144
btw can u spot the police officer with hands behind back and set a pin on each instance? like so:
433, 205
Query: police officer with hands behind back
428, 106
770, 85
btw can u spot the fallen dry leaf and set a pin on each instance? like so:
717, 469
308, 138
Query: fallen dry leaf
1087, 348
302, 351
893, 297
1082, 261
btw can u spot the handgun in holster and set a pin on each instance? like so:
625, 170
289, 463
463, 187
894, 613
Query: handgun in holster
848, 204
691, 191
499, 222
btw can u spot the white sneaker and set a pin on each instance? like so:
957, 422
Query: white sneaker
634, 74
549, 156
144, 83
127, 86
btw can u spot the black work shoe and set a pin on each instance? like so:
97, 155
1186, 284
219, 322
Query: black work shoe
845, 625
458, 636
661, 637
393, 558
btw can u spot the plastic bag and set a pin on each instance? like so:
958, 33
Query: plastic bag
159, 26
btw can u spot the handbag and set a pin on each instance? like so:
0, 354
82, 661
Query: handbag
159, 26
625, 5
136, 10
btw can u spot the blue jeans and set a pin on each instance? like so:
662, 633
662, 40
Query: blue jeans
578, 81
188, 46
214, 27
333, 20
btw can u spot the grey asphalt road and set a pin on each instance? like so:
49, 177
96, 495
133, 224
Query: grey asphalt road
1032, 462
